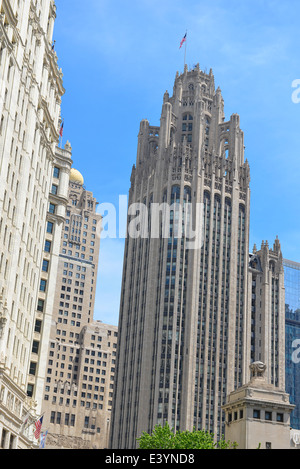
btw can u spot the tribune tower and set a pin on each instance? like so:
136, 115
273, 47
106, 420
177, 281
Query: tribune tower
183, 339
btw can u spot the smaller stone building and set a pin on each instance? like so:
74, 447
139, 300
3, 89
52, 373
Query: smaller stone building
79, 414
80, 362
258, 414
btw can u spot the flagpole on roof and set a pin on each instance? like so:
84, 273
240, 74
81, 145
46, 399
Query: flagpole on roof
185, 49
183, 40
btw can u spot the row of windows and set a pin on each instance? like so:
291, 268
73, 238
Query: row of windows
78, 223
76, 255
257, 414
78, 230
212, 210
54, 190
43, 283
56, 418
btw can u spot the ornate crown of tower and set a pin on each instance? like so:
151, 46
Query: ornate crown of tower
193, 136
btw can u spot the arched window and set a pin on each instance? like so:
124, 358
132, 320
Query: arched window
187, 194
272, 266
175, 194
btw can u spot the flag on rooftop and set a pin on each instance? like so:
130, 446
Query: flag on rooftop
183, 41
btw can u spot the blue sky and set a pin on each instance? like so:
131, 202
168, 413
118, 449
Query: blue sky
118, 59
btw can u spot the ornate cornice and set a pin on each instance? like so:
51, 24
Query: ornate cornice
4, 38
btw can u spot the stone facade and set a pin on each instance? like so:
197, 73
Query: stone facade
182, 331
258, 414
30, 97
58, 199
266, 306
79, 370
78, 409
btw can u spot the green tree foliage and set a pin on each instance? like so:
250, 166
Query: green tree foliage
165, 438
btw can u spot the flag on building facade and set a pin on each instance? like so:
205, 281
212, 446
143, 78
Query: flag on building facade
38, 426
61, 129
183, 41
26, 419
43, 439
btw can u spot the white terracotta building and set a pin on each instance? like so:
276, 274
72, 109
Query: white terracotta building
30, 99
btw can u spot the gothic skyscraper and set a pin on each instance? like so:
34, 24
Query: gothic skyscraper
183, 337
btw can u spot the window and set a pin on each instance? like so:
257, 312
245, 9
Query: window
43, 285
187, 128
268, 415
256, 414
187, 117
279, 417
54, 189
56, 172
32, 369
47, 246
51, 208
35, 347
40, 305
45, 266
50, 227
38, 326
30, 390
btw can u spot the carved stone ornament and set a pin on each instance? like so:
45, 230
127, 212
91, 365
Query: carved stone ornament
258, 370
2, 359
3, 315
296, 439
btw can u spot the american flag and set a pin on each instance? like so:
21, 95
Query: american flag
61, 129
38, 426
182, 41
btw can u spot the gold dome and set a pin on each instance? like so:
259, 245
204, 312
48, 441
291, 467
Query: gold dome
76, 177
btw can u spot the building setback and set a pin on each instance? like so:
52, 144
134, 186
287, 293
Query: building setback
185, 324
30, 97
